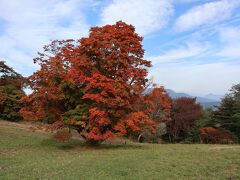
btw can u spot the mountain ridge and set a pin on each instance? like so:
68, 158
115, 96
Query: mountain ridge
208, 101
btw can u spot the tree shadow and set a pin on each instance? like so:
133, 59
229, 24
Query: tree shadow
76, 144
121, 146
72, 144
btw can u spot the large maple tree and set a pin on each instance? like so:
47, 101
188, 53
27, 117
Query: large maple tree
92, 84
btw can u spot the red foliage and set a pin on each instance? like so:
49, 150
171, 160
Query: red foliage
158, 105
215, 135
46, 100
138, 121
185, 111
106, 72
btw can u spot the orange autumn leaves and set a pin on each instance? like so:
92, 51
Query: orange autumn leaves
93, 85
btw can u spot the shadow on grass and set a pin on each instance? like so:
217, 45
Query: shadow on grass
61, 145
75, 144
120, 146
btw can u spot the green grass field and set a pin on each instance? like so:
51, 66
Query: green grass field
35, 155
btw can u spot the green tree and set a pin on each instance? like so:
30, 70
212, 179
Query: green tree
227, 115
11, 90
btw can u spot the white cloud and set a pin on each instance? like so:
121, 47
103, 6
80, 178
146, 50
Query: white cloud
189, 50
229, 37
187, 1
216, 77
230, 34
30, 24
146, 15
231, 51
208, 13
200, 66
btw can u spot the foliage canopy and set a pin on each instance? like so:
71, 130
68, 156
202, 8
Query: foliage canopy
91, 84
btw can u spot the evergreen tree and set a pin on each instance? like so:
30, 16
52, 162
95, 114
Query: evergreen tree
227, 115
11, 84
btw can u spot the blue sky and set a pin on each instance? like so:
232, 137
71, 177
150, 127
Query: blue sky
194, 44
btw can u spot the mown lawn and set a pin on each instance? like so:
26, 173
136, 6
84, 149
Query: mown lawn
34, 155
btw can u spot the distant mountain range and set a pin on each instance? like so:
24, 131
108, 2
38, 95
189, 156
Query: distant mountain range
207, 101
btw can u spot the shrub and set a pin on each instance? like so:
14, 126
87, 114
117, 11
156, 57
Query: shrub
215, 135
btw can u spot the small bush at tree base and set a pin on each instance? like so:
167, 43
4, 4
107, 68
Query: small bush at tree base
62, 135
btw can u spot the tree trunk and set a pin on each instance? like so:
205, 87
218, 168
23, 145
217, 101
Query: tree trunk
92, 142
139, 137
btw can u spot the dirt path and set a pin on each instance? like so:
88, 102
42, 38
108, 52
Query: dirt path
34, 126
21, 125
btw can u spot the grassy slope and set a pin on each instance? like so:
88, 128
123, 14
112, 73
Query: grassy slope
28, 155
